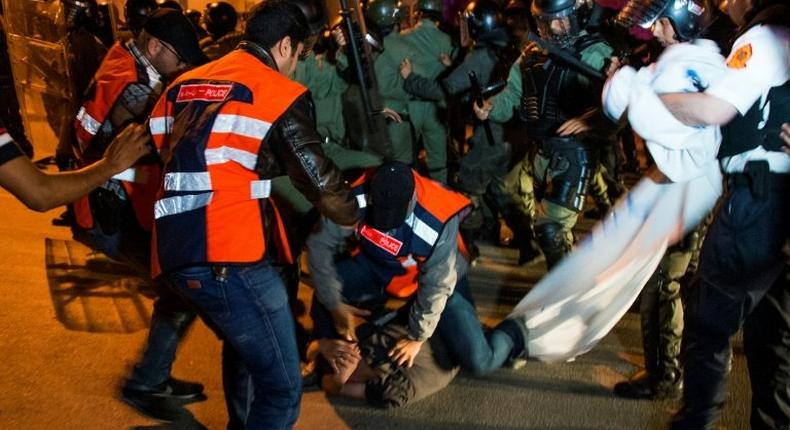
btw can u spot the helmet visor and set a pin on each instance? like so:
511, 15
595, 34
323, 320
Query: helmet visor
560, 28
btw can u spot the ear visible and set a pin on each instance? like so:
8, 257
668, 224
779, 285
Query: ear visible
285, 48
154, 46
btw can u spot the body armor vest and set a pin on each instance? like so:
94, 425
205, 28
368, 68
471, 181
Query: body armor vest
552, 92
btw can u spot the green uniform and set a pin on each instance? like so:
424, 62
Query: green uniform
326, 88
483, 169
661, 313
393, 96
505, 104
428, 43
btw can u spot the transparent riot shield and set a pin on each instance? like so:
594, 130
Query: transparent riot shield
36, 32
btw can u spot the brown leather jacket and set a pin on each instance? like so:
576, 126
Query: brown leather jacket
294, 148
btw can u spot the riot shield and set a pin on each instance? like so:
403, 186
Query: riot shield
36, 33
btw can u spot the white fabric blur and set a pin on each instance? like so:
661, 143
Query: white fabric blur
576, 304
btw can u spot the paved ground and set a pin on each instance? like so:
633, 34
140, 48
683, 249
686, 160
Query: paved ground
72, 324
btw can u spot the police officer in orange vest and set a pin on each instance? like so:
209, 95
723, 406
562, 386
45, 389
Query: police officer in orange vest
224, 130
408, 248
116, 218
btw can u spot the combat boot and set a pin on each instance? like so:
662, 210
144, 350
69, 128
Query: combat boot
523, 236
643, 386
553, 241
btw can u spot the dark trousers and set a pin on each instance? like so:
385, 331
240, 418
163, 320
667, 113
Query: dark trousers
743, 283
364, 284
170, 321
172, 316
248, 308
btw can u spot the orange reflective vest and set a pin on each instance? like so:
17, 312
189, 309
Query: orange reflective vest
118, 70
401, 251
209, 127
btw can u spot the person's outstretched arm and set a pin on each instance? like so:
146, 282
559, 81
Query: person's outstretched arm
42, 191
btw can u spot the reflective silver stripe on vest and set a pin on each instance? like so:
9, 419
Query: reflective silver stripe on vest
187, 181
260, 189
422, 230
128, 175
224, 154
179, 204
201, 181
5, 139
241, 125
87, 122
362, 200
160, 125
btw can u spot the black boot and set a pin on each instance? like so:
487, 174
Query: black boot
659, 310
553, 242
523, 235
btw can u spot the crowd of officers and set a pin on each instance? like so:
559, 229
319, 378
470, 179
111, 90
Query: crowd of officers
387, 148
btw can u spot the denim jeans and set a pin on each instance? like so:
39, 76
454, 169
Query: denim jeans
459, 326
171, 319
476, 351
248, 308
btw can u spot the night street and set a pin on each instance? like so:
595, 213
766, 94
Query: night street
72, 324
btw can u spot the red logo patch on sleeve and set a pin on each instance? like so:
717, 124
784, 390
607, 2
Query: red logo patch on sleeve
203, 92
383, 241
739, 59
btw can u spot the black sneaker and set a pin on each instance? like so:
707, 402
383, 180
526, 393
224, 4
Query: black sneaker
640, 386
154, 405
182, 390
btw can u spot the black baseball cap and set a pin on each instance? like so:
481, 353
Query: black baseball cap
391, 191
174, 28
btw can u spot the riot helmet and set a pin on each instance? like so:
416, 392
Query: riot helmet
486, 22
689, 18
519, 18
81, 13
431, 8
136, 12
171, 4
559, 21
194, 16
385, 14
220, 19
315, 13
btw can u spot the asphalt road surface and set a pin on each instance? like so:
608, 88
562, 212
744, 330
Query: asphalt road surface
72, 324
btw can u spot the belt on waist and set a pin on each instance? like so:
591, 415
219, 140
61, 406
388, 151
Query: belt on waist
758, 178
557, 143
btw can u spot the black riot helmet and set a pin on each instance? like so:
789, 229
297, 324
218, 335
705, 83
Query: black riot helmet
519, 18
559, 21
220, 19
136, 12
80, 13
689, 18
171, 4
315, 13
486, 22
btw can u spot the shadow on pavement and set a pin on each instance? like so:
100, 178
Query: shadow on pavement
93, 293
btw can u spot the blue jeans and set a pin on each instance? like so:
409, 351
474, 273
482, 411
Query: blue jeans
364, 284
249, 310
476, 351
171, 319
